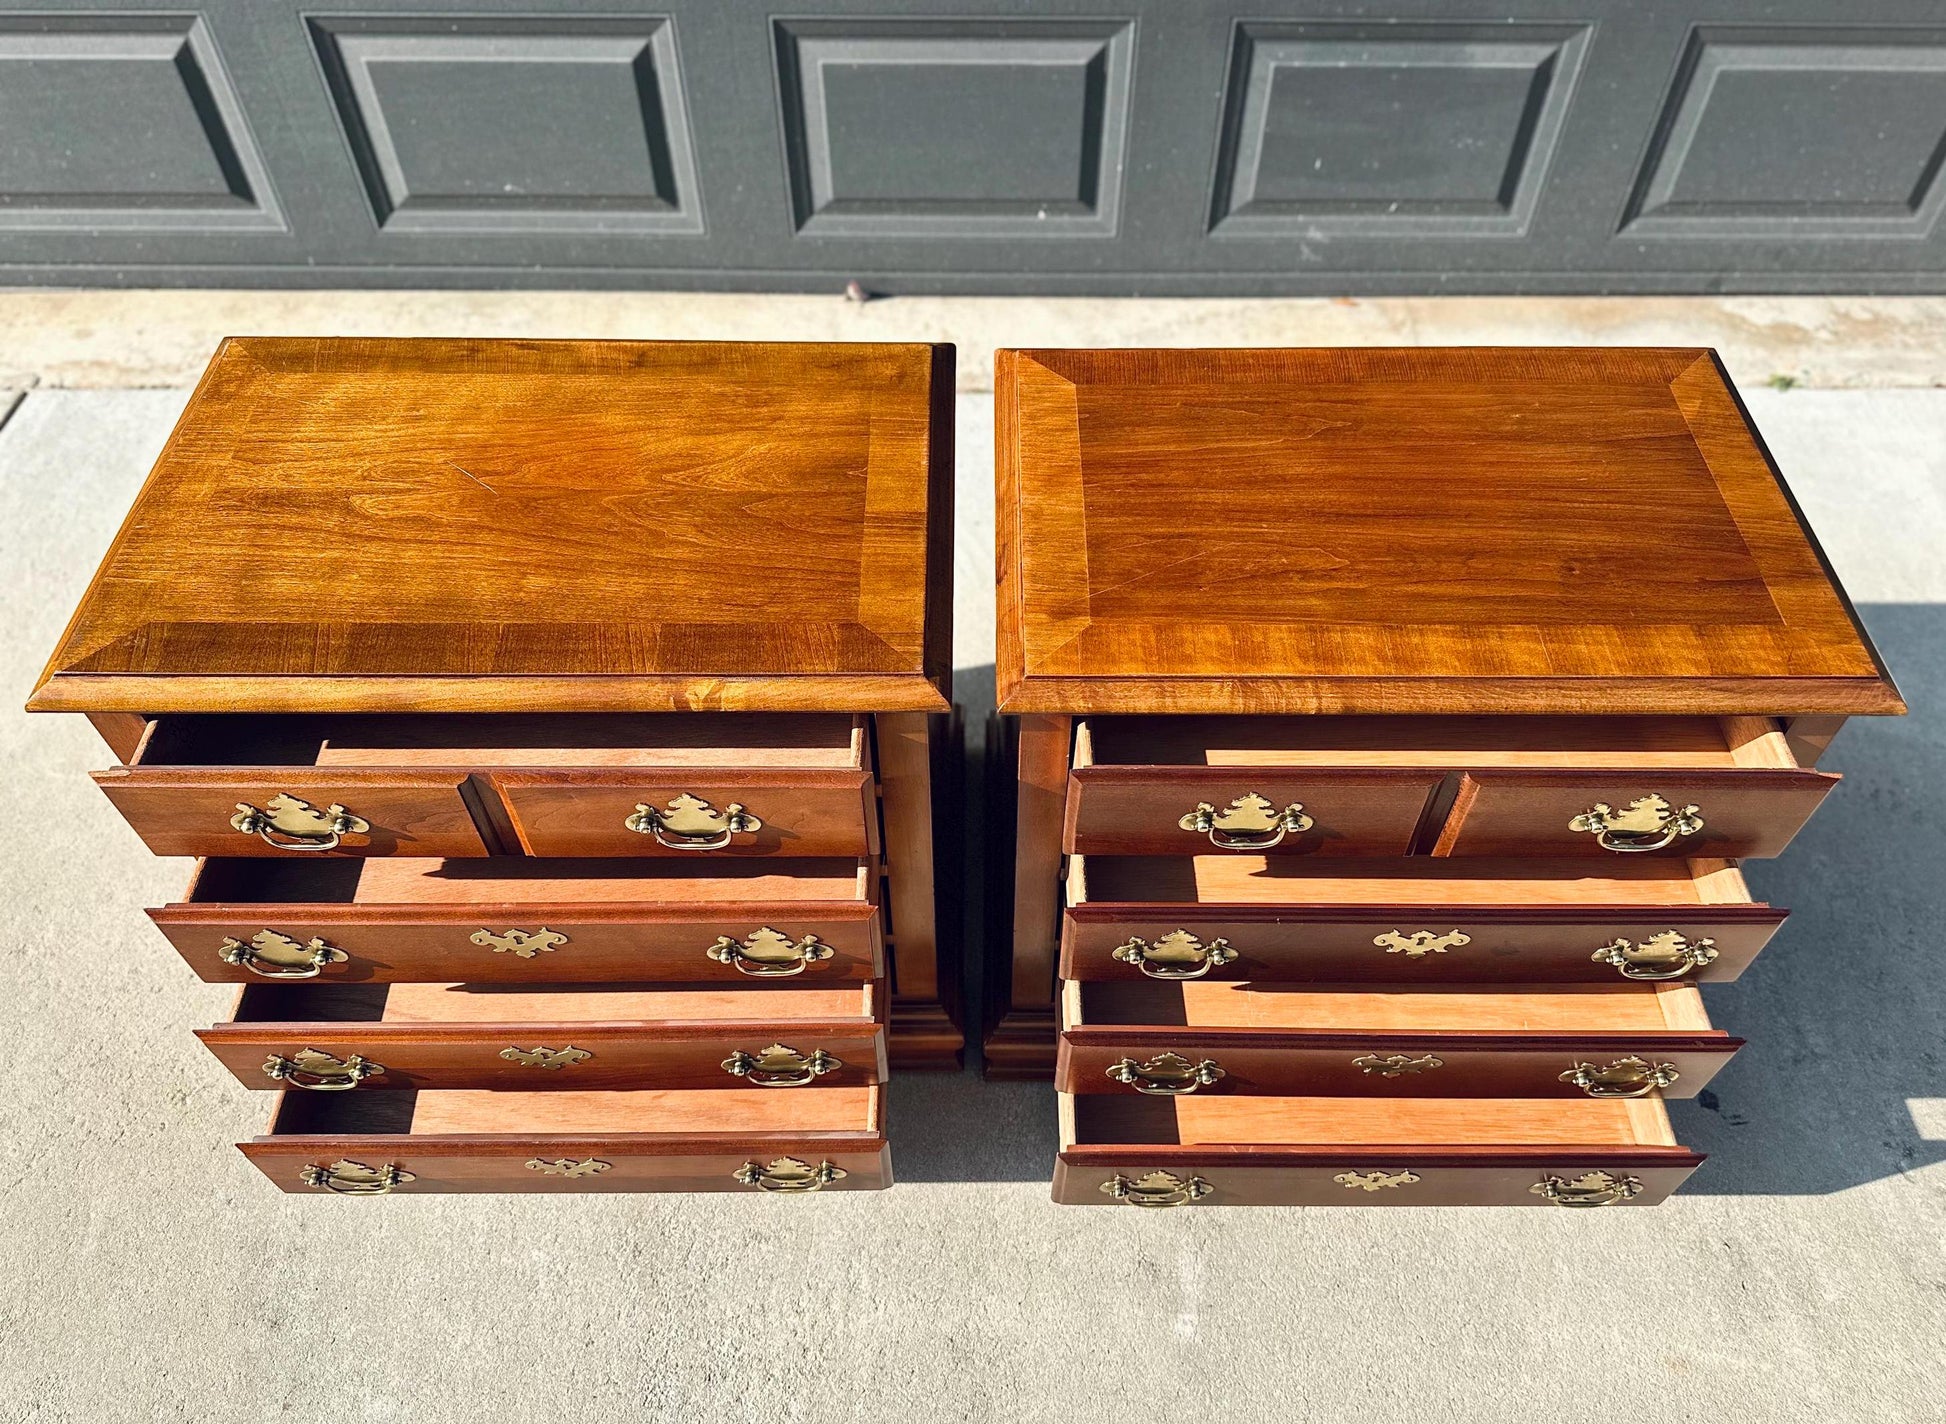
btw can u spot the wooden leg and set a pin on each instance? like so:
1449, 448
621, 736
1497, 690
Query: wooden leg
923, 1031
1022, 1042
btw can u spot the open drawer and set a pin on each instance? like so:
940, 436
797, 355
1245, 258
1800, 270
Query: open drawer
1453, 786
332, 1037
1161, 1152
1215, 1039
449, 786
506, 919
1409, 921
370, 1144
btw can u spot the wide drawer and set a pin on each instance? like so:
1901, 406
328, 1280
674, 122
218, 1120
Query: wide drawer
1451, 786
453, 786
369, 1144
1409, 921
1215, 1039
1161, 1152
508, 920
333, 1037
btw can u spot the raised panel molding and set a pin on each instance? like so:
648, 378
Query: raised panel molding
124, 123
475, 124
954, 128
1407, 130
1798, 132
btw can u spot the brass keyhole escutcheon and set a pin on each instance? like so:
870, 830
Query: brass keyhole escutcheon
789, 1175
1396, 1065
1251, 822
767, 954
320, 1072
689, 822
1177, 955
1376, 1180
1167, 1075
1649, 823
271, 955
521, 944
1664, 956
1156, 1189
354, 1179
781, 1066
550, 1058
1624, 1078
291, 823
567, 1166
1588, 1189
1421, 943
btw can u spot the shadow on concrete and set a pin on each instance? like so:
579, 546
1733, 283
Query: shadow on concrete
1843, 1012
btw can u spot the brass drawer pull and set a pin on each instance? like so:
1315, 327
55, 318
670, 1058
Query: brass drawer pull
291, 823
1167, 1075
355, 1179
542, 1057
1421, 943
691, 823
1588, 1189
1156, 1189
521, 944
789, 1175
1624, 1078
1649, 823
1376, 1180
1177, 955
277, 956
766, 954
567, 1166
1664, 956
320, 1072
1250, 822
1395, 1065
781, 1066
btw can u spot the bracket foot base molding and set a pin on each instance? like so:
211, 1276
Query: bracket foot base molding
1021, 1046
924, 1037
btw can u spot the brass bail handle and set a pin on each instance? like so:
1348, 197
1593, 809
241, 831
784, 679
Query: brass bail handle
1167, 1075
1649, 823
1251, 822
1176, 955
319, 1072
1624, 1078
270, 955
1156, 1190
1662, 956
288, 822
789, 1176
1589, 1189
781, 1066
354, 1179
689, 822
768, 954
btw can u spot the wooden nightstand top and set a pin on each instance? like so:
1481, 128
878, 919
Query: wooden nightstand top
1415, 530
365, 525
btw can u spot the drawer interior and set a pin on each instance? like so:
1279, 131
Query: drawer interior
1456, 742
438, 1004
658, 739
1358, 1122
509, 880
454, 1112
1287, 880
1603, 1008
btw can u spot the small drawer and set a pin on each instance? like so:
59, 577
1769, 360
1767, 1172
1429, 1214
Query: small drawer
1409, 921
332, 1037
1453, 786
453, 786
511, 920
373, 1144
1227, 1039
1162, 1152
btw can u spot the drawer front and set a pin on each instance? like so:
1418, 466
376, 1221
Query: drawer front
1179, 1061
1201, 1177
575, 1057
1413, 945
1570, 812
625, 813
374, 1165
206, 812
1122, 810
759, 944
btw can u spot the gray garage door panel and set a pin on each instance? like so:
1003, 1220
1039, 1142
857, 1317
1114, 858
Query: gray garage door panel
1155, 146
